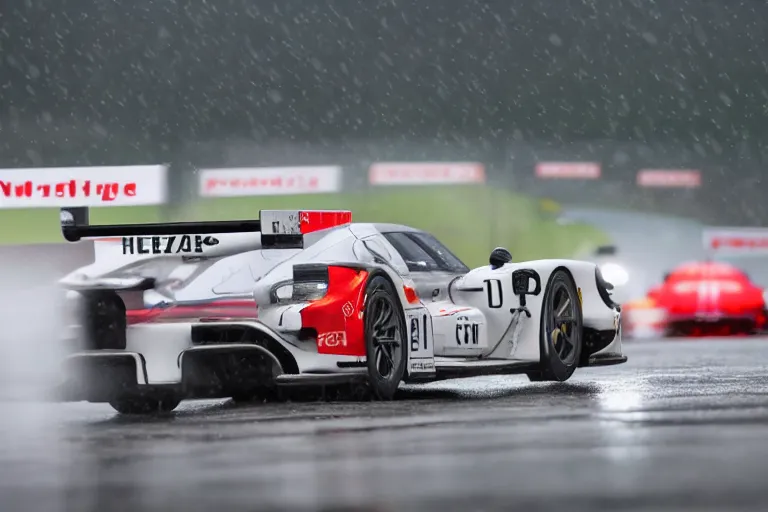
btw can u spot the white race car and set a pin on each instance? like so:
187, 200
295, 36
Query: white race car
373, 304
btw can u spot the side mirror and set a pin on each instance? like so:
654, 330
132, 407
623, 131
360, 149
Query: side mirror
499, 257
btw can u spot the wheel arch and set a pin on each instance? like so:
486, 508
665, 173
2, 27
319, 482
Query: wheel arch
375, 381
377, 271
592, 340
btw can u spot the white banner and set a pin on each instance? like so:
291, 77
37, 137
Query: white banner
269, 181
568, 170
425, 173
55, 187
669, 178
736, 241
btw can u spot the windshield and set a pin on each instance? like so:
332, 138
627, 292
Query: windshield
423, 252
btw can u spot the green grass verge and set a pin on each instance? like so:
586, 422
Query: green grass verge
41, 225
471, 220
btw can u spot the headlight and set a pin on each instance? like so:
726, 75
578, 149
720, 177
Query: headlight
614, 274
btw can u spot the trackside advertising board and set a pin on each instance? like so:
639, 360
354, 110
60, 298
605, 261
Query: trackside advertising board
425, 173
736, 241
54, 187
568, 170
660, 178
269, 181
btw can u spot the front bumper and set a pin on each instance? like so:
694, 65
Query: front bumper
611, 341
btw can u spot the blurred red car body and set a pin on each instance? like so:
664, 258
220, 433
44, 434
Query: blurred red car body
700, 299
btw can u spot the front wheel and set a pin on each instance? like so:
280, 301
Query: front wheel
145, 405
561, 332
385, 334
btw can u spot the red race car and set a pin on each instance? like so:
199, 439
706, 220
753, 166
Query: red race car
700, 299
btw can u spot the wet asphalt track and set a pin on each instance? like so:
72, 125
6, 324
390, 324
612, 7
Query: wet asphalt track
682, 426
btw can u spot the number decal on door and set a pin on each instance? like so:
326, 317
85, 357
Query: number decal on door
495, 293
419, 329
467, 333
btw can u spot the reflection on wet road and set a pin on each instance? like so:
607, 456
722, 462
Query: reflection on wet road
682, 426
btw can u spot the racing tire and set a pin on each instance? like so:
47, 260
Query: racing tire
144, 405
561, 330
385, 334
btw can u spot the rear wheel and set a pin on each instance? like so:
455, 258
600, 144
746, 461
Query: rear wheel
145, 405
561, 331
385, 333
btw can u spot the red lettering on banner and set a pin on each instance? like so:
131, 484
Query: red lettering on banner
24, 190
68, 189
671, 178
739, 243
106, 192
575, 170
277, 182
269, 180
426, 172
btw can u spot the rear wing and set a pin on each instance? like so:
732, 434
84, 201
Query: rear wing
275, 229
